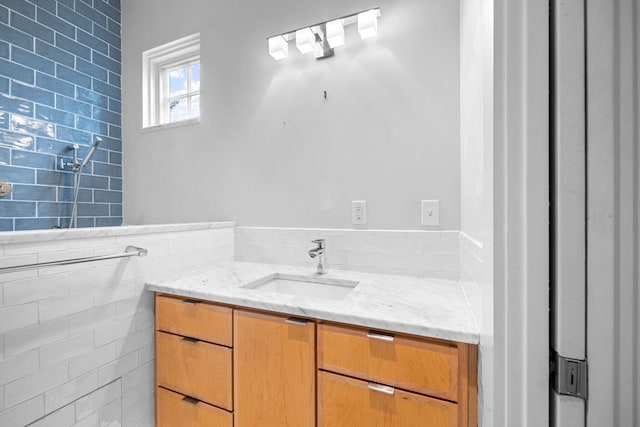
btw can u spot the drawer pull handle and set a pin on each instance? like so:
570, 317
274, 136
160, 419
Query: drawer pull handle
380, 388
190, 400
378, 336
190, 340
190, 301
296, 321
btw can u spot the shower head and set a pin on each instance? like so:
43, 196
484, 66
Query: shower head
92, 150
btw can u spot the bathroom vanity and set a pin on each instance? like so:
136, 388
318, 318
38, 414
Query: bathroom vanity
229, 353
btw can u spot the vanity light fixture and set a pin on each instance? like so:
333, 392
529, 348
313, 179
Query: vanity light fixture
323, 37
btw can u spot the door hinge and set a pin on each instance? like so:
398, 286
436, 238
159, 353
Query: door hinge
569, 376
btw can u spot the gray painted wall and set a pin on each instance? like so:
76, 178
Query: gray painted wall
269, 150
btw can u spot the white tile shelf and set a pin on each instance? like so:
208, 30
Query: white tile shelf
10, 237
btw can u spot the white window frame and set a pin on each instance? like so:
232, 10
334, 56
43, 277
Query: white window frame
156, 63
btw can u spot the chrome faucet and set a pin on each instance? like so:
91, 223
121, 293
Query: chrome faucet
319, 252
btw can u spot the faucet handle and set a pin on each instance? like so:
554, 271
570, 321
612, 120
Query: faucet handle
319, 242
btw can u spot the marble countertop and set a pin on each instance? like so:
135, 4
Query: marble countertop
7, 237
427, 307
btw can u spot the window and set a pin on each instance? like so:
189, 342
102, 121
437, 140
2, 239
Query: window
181, 84
171, 83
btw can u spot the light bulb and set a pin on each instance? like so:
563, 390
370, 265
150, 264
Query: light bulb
278, 47
368, 24
335, 33
305, 40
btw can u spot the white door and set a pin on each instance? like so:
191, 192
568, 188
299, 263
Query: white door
596, 207
613, 207
568, 260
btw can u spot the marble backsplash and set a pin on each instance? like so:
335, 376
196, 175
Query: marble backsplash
431, 254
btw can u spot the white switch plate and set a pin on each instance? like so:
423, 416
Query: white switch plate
359, 212
430, 213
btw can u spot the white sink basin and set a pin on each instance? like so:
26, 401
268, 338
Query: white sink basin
304, 286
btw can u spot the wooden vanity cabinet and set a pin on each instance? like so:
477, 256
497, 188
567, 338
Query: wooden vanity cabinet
223, 366
274, 364
194, 372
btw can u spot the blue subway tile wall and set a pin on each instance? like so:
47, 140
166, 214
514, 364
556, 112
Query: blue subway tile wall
60, 84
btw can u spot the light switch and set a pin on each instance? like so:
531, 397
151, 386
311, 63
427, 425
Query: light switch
430, 213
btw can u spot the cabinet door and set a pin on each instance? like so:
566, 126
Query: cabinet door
195, 368
193, 318
274, 366
178, 410
425, 366
345, 401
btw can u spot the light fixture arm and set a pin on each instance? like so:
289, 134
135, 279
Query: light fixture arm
323, 50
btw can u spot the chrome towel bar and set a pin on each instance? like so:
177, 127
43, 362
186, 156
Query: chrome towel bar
128, 252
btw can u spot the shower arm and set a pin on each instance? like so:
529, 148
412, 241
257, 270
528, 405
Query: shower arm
75, 164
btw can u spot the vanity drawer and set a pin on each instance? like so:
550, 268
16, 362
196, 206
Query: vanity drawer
344, 401
176, 409
194, 318
195, 368
421, 365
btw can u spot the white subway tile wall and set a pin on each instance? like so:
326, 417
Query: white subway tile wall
471, 265
76, 342
62, 417
92, 403
31, 386
419, 253
24, 413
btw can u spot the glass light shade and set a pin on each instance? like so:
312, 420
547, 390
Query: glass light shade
335, 33
305, 40
368, 24
278, 47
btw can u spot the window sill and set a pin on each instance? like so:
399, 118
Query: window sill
164, 126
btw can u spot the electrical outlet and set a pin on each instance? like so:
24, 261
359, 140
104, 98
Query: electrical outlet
430, 215
359, 212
